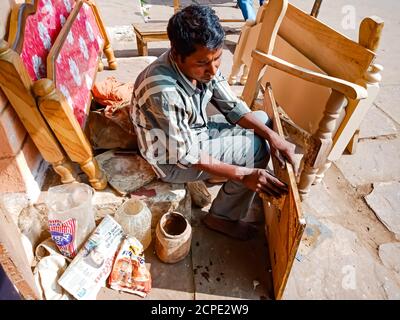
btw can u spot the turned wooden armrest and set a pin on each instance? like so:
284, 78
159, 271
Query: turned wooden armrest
349, 89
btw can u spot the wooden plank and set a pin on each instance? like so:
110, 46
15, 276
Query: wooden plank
330, 50
284, 218
13, 258
150, 28
272, 19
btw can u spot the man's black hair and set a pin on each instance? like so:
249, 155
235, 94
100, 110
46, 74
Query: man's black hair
195, 25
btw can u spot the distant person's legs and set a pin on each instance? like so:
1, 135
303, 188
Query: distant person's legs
246, 6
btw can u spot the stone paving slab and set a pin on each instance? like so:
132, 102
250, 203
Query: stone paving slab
374, 161
170, 281
390, 255
388, 100
325, 201
339, 268
376, 123
385, 202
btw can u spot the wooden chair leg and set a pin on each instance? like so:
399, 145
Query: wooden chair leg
369, 37
100, 67
145, 50
139, 46
108, 51
92, 170
245, 75
316, 155
321, 172
234, 72
250, 91
352, 146
65, 171
61, 119
16, 84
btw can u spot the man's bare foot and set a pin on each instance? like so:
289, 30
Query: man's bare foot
235, 229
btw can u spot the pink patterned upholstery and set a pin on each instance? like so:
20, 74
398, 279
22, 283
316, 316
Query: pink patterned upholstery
41, 31
76, 65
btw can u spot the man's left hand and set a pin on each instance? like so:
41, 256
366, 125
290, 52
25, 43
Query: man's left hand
282, 150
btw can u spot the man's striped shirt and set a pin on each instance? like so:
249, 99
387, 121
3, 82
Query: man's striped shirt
169, 113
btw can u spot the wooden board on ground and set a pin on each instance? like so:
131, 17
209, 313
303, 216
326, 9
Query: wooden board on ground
283, 217
13, 258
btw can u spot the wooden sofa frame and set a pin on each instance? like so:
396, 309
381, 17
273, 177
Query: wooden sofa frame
42, 108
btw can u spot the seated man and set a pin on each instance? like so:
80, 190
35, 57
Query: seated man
174, 135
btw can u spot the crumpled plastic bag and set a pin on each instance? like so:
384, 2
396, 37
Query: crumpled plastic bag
48, 270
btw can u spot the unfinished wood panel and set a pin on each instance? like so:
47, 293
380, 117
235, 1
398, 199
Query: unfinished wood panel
13, 258
273, 16
331, 51
303, 104
284, 218
350, 90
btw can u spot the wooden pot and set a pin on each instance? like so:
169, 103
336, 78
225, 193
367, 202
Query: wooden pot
173, 237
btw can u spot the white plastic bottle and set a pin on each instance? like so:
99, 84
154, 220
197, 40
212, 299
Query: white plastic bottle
135, 218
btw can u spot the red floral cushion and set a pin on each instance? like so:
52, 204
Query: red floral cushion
77, 62
41, 31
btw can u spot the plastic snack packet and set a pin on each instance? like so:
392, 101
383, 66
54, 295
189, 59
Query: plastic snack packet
129, 272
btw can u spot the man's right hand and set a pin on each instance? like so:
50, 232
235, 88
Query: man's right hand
260, 180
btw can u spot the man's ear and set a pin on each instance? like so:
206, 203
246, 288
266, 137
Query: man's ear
177, 57
174, 53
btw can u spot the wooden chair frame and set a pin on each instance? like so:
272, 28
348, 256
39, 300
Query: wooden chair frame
355, 79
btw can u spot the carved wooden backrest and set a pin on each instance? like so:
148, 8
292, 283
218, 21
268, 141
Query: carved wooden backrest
34, 29
72, 62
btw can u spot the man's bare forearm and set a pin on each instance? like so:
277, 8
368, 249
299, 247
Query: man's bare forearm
215, 167
250, 121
